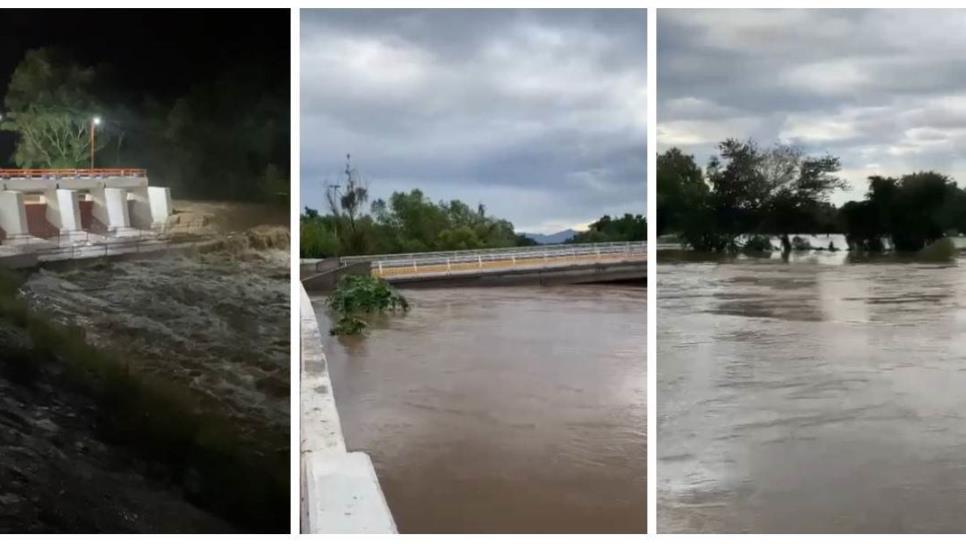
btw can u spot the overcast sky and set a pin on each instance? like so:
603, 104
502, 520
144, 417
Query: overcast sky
539, 115
884, 90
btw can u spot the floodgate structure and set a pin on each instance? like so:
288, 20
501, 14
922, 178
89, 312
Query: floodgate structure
57, 214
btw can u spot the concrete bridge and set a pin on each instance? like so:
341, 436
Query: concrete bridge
47, 210
550, 264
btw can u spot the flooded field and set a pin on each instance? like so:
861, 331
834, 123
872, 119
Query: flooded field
819, 395
502, 409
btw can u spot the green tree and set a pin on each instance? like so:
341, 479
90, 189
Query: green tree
681, 191
629, 228
50, 103
405, 222
912, 211
777, 190
318, 238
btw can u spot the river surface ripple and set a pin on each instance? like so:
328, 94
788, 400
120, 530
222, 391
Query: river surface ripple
502, 409
810, 397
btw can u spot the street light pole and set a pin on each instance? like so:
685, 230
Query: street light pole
94, 122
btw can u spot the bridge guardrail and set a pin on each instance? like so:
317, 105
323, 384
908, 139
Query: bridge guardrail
533, 255
497, 254
487, 251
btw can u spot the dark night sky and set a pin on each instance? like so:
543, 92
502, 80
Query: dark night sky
160, 53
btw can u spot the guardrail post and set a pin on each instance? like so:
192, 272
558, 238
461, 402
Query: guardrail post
414, 266
449, 266
380, 268
479, 259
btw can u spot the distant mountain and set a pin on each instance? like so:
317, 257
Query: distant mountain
555, 238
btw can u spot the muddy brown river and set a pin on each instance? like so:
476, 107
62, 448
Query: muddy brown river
818, 395
502, 410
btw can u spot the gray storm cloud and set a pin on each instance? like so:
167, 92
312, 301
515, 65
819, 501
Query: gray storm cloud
538, 114
884, 90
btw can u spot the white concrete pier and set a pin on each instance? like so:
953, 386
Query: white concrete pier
63, 210
13, 216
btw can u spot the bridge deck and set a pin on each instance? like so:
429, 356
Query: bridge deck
564, 263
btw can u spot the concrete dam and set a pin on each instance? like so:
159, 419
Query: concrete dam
45, 210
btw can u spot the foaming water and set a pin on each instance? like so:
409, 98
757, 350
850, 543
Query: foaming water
502, 409
811, 397
217, 323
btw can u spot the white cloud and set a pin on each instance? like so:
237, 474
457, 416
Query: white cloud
703, 132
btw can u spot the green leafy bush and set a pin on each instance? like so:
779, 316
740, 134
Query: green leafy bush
362, 295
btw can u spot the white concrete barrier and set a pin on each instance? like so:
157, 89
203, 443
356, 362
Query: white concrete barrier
340, 490
63, 209
117, 209
150, 207
160, 202
110, 207
140, 208
13, 215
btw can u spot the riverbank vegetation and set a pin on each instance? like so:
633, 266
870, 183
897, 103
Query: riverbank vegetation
192, 448
629, 228
406, 223
412, 223
356, 297
748, 193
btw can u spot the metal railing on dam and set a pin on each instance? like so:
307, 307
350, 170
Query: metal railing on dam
55, 173
511, 258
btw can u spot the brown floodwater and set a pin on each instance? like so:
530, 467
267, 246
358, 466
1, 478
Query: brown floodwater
502, 410
820, 395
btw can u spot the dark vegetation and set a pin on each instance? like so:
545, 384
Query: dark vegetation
629, 228
747, 194
198, 451
225, 138
356, 297
411, 223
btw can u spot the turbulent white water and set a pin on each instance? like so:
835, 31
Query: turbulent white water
217, 322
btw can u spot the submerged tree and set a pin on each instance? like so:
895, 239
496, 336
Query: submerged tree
773, 191
912, 211
749, 191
